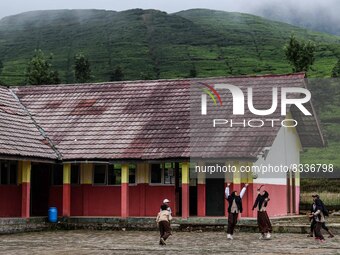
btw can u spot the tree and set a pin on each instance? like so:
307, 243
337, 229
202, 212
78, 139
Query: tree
117, 74
39, 70
82, 69
336, 70
299, 54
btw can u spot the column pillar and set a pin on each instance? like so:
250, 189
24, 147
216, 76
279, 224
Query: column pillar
66, 211
25, 188
249, 196
201, 192
185, 190
297, 193
125, 191
86, 182
143, 180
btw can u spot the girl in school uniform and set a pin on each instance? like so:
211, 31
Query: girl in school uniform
234, 208
261, 202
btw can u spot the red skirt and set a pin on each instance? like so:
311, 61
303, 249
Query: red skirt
264, 222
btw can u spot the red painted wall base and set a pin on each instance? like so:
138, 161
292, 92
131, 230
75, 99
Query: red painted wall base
10, 200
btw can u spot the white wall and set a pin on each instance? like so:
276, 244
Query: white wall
284, 151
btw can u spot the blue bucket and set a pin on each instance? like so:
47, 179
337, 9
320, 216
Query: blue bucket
53, 214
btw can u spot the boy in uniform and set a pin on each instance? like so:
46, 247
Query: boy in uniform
163, 222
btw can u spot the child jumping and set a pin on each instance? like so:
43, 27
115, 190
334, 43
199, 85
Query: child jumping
163, 222
261, 202
234, 208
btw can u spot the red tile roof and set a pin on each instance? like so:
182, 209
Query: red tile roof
19, 136
238, 141
150, 119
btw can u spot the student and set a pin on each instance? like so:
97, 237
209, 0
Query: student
163, 222
319, 218
261, 202
313, 222
234, 208
167, 203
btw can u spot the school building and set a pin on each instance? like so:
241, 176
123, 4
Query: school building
118, 149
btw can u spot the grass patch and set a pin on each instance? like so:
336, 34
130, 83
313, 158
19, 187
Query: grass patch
329, 198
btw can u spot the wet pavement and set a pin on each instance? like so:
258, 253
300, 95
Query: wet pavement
141, 242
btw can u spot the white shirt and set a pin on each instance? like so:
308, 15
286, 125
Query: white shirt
227, 192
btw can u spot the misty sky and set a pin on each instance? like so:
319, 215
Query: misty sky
10, 7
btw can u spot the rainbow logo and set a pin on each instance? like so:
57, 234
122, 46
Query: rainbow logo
209, 90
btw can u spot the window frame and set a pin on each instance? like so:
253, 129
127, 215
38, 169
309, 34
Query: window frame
135, 168
105, 177
162, 175
9, 168
106, 183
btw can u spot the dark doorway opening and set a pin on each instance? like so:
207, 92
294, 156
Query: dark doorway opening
215, 197
40, 188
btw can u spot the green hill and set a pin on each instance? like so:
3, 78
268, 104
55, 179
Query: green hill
154, 43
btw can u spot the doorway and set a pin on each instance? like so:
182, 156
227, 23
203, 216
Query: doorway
215, 197
40, 188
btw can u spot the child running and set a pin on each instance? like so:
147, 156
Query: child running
163, 222
319, 218
316, 199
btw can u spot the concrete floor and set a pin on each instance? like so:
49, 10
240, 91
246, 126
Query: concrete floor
139, 242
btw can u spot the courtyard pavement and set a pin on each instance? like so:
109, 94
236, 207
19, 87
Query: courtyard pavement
146, 242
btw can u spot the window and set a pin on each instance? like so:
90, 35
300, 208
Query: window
57, 176
8, 172
115, 175
156, 173
132, 173
169, 173
99, 174
112, 174
163, 173
75, 174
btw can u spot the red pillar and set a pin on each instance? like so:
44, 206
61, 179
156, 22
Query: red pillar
201, 194
125, 191
25, 189
66, 211
201, 200
185, 190
25, 201
250, 200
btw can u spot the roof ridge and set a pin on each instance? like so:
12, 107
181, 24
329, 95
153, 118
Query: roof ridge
167, 80
40, 129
